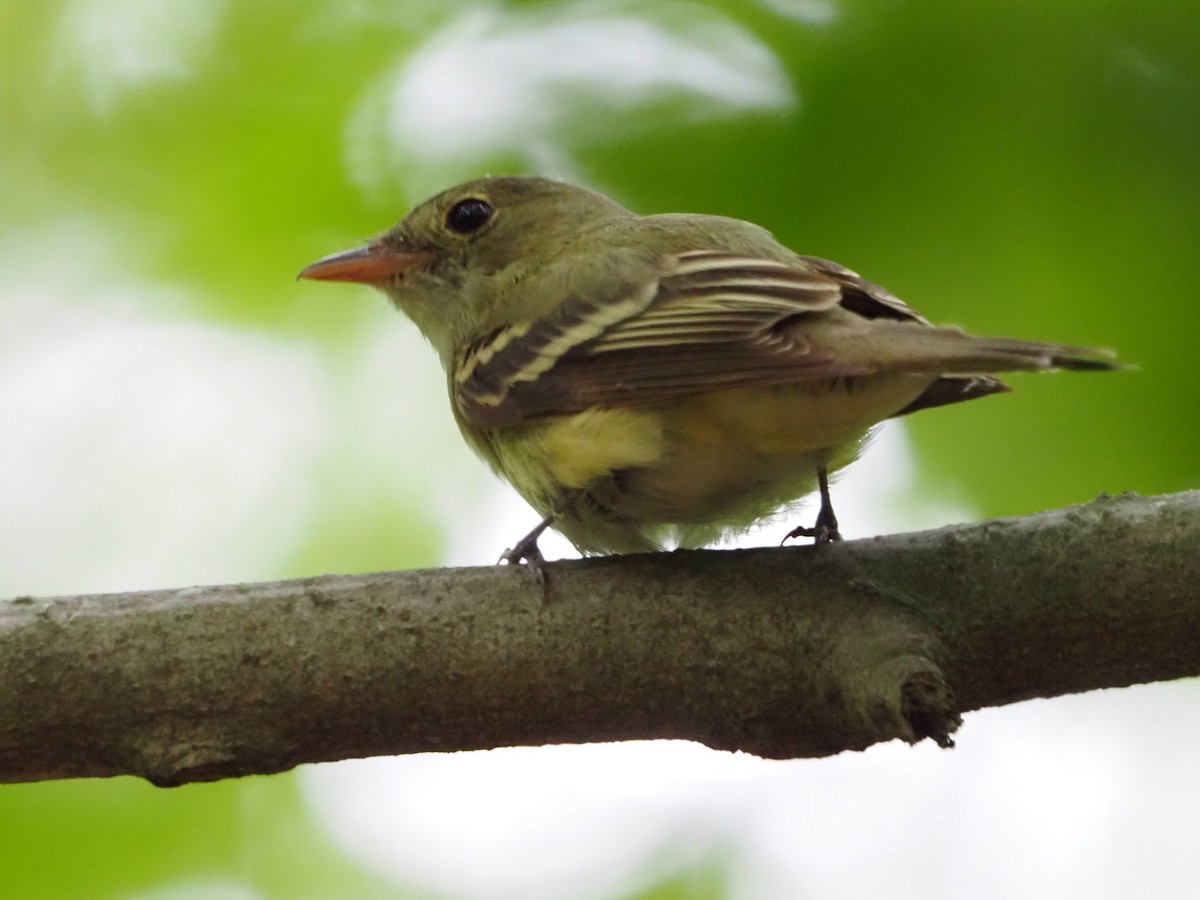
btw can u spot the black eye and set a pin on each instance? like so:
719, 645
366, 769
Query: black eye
468, 215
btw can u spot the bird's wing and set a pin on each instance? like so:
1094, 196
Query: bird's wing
709, 321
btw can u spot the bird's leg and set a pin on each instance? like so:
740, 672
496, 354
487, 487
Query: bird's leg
526, 550
826, 527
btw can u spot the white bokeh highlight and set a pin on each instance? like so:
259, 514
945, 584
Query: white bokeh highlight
114, 47
140, 448
494, 81
1037, 801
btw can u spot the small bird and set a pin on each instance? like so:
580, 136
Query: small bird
648, 381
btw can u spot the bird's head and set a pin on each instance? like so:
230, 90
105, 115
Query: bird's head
440, 263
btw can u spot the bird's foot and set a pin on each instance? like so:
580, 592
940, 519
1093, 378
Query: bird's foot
526, 551
825, 530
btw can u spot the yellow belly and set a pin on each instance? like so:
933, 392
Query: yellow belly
697, 465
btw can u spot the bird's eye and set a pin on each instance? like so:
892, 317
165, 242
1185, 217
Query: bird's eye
468, 215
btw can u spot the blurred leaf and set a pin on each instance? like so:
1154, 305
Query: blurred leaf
114, 838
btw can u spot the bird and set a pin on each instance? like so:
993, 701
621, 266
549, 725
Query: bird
658, 381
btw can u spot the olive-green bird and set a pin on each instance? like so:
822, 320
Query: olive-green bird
651, 380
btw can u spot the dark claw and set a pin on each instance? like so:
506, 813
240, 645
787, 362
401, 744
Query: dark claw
526, 551
825, 530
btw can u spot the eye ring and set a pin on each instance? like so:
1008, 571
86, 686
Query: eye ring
469, 215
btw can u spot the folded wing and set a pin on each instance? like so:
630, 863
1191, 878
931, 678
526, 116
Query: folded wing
712, 320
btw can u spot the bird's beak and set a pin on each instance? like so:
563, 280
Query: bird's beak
372, 264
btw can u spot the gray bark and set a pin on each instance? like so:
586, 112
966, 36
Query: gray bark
800, 651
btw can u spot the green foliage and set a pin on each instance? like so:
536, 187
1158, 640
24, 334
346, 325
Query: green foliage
99, 839
1023, 169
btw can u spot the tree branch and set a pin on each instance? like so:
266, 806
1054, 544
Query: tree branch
783, 652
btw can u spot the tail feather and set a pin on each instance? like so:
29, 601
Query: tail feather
913, 347
1000, 353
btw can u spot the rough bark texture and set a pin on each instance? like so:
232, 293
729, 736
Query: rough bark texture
784, 652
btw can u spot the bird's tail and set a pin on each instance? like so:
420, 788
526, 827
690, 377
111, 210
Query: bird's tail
913, 347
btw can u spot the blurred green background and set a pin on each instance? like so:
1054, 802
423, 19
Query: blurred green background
175, 409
